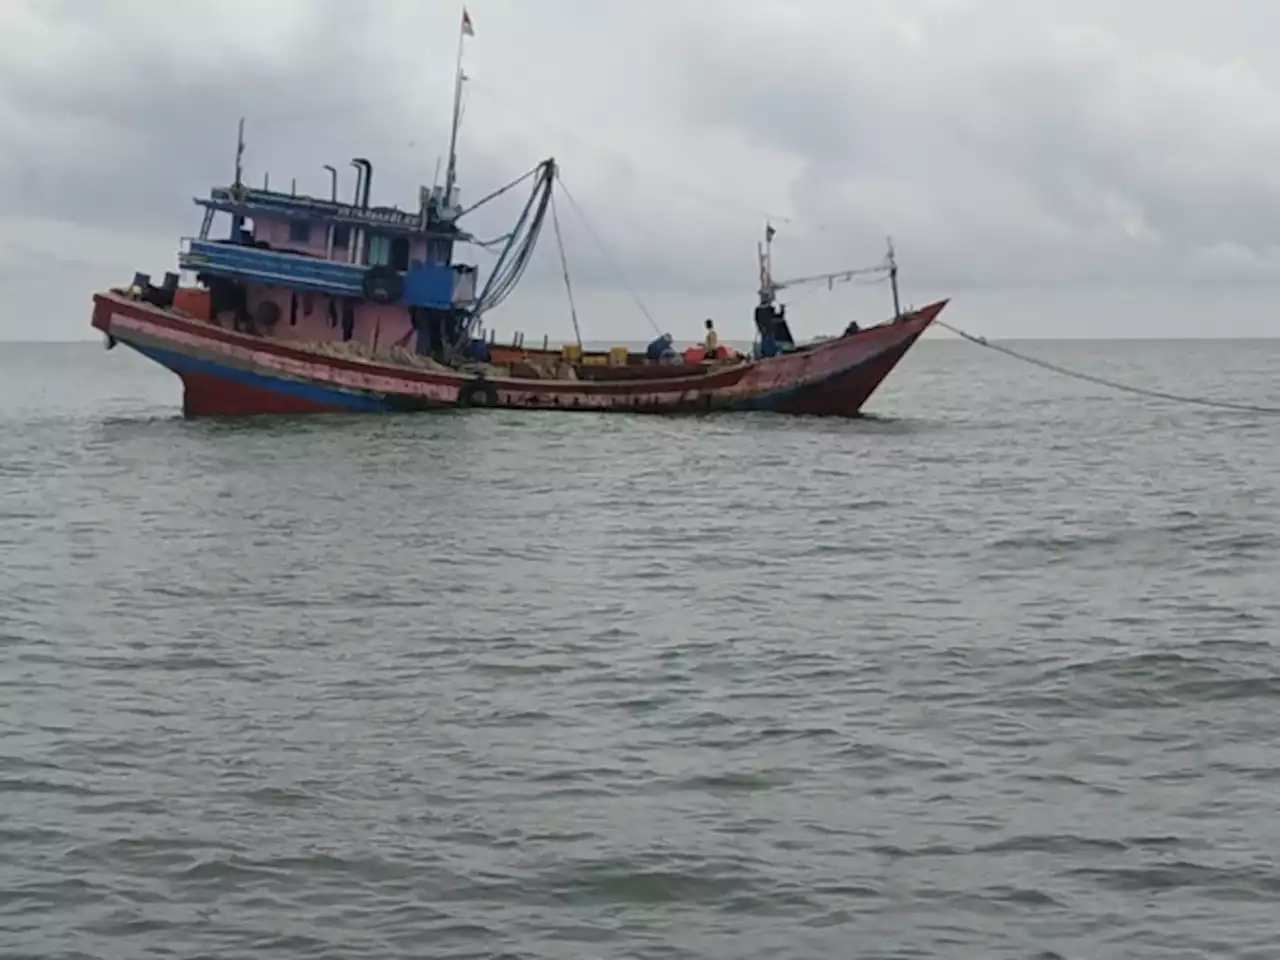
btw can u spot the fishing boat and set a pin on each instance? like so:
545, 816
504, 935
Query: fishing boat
313, 304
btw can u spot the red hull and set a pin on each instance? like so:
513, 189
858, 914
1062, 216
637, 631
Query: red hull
230, 373
208, 395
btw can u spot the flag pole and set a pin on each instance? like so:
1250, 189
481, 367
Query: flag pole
452, 169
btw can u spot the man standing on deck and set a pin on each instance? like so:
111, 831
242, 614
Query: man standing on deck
711, 341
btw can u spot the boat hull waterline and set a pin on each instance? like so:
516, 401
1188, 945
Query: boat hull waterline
229, 373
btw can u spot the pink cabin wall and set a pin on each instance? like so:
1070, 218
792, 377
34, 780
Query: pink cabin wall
276, 233
376, 325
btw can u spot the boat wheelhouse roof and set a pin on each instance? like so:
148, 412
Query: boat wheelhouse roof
249, 202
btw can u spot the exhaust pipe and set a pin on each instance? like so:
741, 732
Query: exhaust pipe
363, 201
355, 201
364, 174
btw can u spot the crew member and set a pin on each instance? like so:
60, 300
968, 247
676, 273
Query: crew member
711, 341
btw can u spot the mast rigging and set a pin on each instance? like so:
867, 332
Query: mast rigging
769, 287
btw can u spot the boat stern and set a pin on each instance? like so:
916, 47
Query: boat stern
102, 309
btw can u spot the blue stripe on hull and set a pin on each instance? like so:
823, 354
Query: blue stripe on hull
178, 363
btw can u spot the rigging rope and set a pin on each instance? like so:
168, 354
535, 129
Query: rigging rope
856, 281
493, 195
1102, 381
486, 244
507, 273
605, 250
564, 266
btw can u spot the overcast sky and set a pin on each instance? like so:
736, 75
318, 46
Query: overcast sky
1057, 167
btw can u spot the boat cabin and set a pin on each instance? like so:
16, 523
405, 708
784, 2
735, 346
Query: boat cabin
298, 267
303, 268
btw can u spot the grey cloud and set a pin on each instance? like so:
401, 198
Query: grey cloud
133, 145
1011, 148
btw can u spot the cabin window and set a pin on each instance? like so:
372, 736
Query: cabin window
341, 236
379, 251
299, 231
400, 253
437, 251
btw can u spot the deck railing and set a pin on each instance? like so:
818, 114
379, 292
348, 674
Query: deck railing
425, 285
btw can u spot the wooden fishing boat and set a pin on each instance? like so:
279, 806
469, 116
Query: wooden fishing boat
230, 372
310, 304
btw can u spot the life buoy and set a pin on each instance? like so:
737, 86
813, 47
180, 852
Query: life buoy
477, 393
381, 284
267, 313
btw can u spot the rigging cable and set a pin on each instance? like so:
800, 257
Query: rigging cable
493, 195
564, 266
507, 272
856, 281
486, 244
1102, 381
605, 250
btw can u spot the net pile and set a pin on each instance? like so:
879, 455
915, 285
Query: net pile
353, 350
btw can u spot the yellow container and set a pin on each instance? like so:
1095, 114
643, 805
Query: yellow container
571, 352
595, 360
618, 356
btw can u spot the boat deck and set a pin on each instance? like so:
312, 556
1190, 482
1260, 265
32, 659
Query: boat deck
506, 360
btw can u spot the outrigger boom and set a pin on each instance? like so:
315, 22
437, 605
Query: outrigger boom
769, 287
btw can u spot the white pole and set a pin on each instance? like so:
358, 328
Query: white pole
452, 170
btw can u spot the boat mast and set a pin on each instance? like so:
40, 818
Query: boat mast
239, 153
451, 171
765, 253
893, 280
237, 193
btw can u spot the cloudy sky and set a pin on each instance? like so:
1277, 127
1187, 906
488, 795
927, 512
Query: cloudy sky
1057, 167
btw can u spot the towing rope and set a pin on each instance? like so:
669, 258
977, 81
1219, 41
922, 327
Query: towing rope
1102, 381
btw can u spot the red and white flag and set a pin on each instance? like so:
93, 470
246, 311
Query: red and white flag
467, 29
